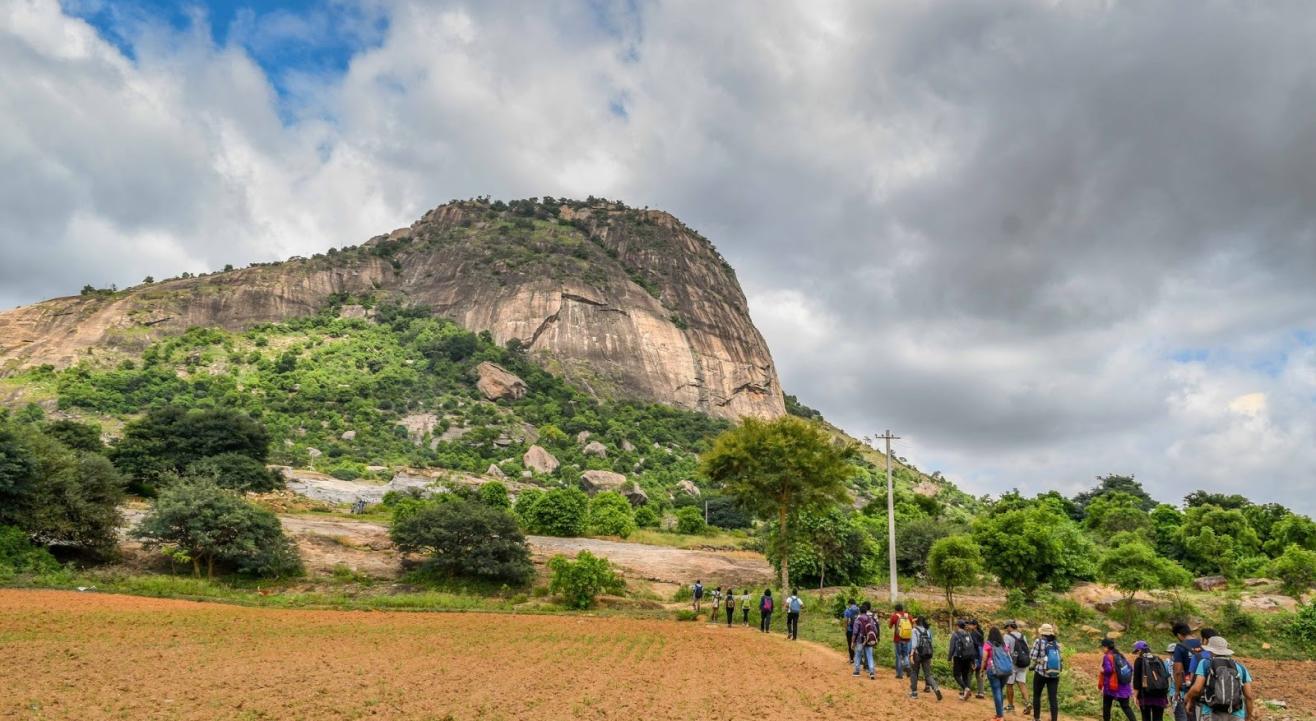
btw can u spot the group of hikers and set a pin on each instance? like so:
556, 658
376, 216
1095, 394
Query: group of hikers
1199, 680
727, 601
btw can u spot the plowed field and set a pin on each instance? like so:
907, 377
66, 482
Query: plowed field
88, 656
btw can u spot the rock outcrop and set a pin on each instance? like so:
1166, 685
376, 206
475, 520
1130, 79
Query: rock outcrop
624, 303
498, 384
539, 460
594, 448
599, 481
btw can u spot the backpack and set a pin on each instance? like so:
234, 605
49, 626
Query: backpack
699, 590
1123, 671
1224, 686
924, 648
1022, 659
962, 646
1194, 658
1002, 665
766, 605
1053, 660
866, 628
1154, 677
905, 627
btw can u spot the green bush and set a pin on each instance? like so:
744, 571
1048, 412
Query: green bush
559, 512
466, 539
1234, 620
19, 556
690, 521
580, 582
237, 472
348, 470
610, 514
1302, 628
494, 495
683, 593
170, 438
646, 517
1296, 569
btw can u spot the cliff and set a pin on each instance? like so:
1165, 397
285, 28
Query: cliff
624, 303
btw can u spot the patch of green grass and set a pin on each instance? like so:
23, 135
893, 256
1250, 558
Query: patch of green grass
729, 540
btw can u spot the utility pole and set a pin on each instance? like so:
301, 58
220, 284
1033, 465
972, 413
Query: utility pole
890, 515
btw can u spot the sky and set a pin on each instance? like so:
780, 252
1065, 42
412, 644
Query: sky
1039, 241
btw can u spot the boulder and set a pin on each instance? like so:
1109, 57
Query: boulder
352, 311
1269, 602
419, 425
1114, 634
495, 471
1265, 647
627, 446
582, 437
348, 435
688, 488
376, 469
503, 440
1114, 625
1258, 582
1211, 583
599, 481
635, 494
313, 452
1107, 598
498, 383
1090, 630
594, 448
539, 460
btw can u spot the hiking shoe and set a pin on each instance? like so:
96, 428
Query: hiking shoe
872, 677
913, 694
927, 689
938, 692
1010, 708
855, 674
978, 695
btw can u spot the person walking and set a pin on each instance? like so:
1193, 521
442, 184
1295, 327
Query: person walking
765, 611
1186, 652
744, 607
902, 632
793, 606
698, 593
1221, 684
961, 655
1151, 683
731, 606
998, 667
865, 640
1017, 648
920, 659
1047, 663
851, 611
1115, 680
978, 640
717, 603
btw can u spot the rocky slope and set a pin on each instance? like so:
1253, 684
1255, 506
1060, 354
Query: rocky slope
624, 303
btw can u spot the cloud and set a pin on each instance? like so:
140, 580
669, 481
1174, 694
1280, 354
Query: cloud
1040, 241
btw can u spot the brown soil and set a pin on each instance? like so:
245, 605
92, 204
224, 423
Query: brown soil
66, 655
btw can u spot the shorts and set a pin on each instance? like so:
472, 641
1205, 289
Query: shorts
1020, 675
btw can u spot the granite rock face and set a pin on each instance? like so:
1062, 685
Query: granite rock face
624, 303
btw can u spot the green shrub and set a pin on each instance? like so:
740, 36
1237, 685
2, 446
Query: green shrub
1234, 620
690, 521
580, 582
237, 472
19, 556
466, 539
348, 470
610, 514
1296, 569
559, 512
683, 593
494, 495
1302, 628
169, 438
646, 517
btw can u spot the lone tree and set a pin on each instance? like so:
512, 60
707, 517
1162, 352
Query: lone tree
1131, 566
466, 538
954, 561
779, 468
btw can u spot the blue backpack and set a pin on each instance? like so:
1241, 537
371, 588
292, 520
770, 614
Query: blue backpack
1123, 669
1053, 660
1002, 664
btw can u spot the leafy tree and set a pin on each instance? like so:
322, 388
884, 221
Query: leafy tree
1132, 566
78, 436
725, 512
1116, 511
832, 546
1219, 500
1291, 530
778, 468
914, 541
954, 561
580, 582
690, 521
526, 501
1263, 517
169, 438
494, 494
1216, 540
1166, 521
31, 413
1033, 546
646, 517
1296, 569
610, 514
236, 472
559, 512
213, 526
466, 538
1115, 484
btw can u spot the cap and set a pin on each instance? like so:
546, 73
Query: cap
1141, 646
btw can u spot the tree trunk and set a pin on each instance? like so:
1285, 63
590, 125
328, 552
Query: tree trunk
210, 567
822, 575
196, 567
950, 601
784, 547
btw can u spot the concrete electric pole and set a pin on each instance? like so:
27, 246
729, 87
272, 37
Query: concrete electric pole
890, 515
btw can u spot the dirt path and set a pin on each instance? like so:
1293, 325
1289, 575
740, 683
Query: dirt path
88, 657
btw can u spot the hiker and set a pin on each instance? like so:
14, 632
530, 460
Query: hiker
793, 606
961, 656
1047, 661
765, 611
1221, 684
851, 610
731, 606
717, 603
902, 631
976, 631
744, 607
999, 668
1116, 680
1186, 652
920, 659
1017, 648
866, 637
1151, 683
698, 594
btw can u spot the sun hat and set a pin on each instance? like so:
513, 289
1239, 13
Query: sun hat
1171, 648
1047, 630
1012, 624
1141, 646
1218, 646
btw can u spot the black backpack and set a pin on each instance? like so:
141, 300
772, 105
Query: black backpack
963, 646
1155, 679
1224, 685
1022, 658
924, 649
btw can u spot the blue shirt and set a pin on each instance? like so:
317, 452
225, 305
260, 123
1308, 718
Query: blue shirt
849, 615
1183, 655
1243, 676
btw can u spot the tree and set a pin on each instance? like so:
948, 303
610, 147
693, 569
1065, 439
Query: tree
780, 467
465, 538
954, 561
1216, 539
1166, 521
914, 541
559, 512
1296, 569
213, 526
494, 495
832, 547
1115, 484
610, 514
1035, 545
78, 436
1117, 511
646, 517
1131, 566
579, 582
169, 438
236, 472
1231, 501
1291, 530
690, 521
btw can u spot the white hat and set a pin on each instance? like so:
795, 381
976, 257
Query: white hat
1047, 630
1218, 646
1171, 648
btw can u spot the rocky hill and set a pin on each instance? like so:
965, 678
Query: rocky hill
624, 303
